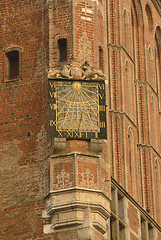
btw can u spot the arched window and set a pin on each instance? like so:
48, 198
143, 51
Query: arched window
126, 30
12, 65
158, 60
128, 88
137, 33
149, 17
150, 60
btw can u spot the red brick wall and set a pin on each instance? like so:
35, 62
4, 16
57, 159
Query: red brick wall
60, 26
24, 120
133, 218
140, 120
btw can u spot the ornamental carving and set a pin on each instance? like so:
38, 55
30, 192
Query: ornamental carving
88, 179
75, 71
63, 180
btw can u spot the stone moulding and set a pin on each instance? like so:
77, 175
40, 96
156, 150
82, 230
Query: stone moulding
67, 208
75, 71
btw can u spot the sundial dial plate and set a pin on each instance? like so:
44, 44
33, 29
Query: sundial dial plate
77, 109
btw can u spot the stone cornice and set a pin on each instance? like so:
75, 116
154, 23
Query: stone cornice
74, 153
150, 147
123, 114
71, 207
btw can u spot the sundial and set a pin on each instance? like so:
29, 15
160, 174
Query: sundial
77, 109
77, 104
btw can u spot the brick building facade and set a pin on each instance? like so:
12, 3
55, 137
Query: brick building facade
58, 188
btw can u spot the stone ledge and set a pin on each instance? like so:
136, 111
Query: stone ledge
99, 227
67, 208
68, 219
77, 197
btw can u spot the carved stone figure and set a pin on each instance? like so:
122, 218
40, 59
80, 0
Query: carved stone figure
75, 70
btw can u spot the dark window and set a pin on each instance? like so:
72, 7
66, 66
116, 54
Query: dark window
101, 58
12, 65
62, 44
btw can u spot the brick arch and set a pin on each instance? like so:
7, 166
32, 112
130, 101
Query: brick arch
8, 52
138, 13
158, 58
13, 48
158, 36
149, 17
138, 26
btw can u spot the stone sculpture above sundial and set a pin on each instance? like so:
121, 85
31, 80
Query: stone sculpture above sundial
75, 71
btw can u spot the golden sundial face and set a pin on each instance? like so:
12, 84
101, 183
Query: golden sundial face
75, 109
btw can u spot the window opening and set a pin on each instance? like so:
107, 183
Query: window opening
12, 65
62, 44
101, 62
